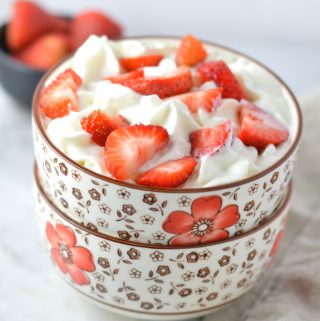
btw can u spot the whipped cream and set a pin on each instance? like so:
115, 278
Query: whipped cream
98, 58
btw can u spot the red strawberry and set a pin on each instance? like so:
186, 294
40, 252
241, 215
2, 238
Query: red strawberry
259, 128
61, 95
208, 141
122, 78
93, 23
45, 51
190, 52
100, 125
220, 73
207, 99
28, 22
134, 63
128, 148
172, 173
174, 83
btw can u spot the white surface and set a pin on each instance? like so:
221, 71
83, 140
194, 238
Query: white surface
30, 289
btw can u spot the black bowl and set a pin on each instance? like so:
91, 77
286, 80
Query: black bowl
18, 79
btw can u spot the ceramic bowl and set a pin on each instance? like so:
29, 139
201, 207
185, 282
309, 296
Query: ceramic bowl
145, 214
149, 281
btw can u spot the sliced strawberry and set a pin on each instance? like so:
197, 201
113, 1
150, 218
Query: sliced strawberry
221, 74
128, 148
190, 52
208, 141
259, 128
100, 125
61, 95
28, 22
134, 63
172, 173
122, 78
174, 83
93, 23
45, 51
207, 99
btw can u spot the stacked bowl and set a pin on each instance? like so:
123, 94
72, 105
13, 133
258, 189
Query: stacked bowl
148, 252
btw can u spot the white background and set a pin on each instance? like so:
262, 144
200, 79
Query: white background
283, 34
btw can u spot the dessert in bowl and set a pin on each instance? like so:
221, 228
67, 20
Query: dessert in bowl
148, 140
148, 281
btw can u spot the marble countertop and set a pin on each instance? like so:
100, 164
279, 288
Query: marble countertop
29, 287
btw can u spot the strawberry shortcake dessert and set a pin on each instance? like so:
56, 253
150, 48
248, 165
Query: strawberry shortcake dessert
166, 113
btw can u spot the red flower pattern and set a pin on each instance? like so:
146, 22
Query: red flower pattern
69, 258
205, 224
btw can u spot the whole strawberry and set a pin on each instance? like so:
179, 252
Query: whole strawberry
93, 23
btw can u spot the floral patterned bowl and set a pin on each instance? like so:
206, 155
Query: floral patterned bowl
166, 216
149, 281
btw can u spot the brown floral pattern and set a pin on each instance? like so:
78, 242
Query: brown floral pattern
253, 189
249, 206
133, 296
103, 262
124, 235
212, 296
147, 219
77, 193
146, 305
104, 246
267, 234
232, 268
185, 292
202, 273
63, 186
105, 209
205, 255
159, 236
146, 279
63, 169
78, 212
163, 270
156, 256
184, 201
95, 195
252, 255
241, 283
154, 289
134, 273
128, 209
101, 288
188, 276
201, 290
134, 254
192, 257
76, 175
92, 227
63, 202
224, 260
123, 193
102, 222
149, 198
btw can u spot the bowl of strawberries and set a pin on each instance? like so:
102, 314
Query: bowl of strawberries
34, 40
139, 149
